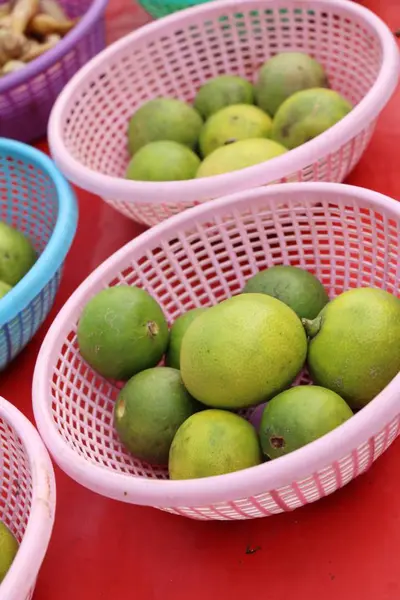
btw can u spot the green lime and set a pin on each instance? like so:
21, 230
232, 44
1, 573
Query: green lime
163, 161
122, 331
8, 550
297, 288
232, 124
299, 416
213, 442
283, 75
307, 114
164, 119
242, 351
17, 255
239, 155
149, 411
223, 91
354, 348
178, 329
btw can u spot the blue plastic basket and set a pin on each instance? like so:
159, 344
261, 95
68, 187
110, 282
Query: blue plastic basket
36, 199
162, 8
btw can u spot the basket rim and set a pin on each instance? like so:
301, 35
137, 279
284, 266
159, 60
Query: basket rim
50, 57
202, 189
60, 240
250, 482
23, 571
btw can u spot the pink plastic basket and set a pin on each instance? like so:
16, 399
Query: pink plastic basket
173, 56
348, 236
27, 502
27, 96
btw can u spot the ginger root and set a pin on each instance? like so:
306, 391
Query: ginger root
28, 29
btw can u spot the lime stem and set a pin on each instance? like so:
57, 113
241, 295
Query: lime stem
313, 326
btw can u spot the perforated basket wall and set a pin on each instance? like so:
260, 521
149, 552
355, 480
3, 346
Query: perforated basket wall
347, 236
15, 481
27, 499
174, 56
34, 198
27, 96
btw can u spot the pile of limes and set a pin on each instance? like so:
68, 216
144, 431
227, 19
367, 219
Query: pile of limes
184, 386
233, 124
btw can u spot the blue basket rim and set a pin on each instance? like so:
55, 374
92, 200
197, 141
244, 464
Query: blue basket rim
60, 240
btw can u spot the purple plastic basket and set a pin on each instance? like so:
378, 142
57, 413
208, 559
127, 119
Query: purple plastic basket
27, 96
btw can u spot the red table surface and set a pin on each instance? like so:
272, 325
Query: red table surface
345, 546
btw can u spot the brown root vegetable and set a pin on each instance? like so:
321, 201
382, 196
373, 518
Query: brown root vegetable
5, 22
11, 66
53, 38
53, 9
22, 13
36, 49
43, 25
13, 45
5, 9
3, 58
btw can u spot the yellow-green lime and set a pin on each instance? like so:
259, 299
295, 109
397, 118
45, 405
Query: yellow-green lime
178, 330
239, 155
213, 442
296, 287
8, 550
222, 91
354, 348
299, 416
149, 410
4, 289
122, 331
285, 74
17, 255
164, 119
242, 351
307, 114
163, 161
232, 124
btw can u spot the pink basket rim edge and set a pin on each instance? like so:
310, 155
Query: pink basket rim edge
23, 572
203, 189
94, 12
254, 481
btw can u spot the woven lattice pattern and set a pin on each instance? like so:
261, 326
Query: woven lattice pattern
29, 202
15, 481
345, 241
27, 499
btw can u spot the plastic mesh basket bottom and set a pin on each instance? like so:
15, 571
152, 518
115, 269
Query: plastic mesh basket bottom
28, 202
15, 482
25, 108
346, 241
